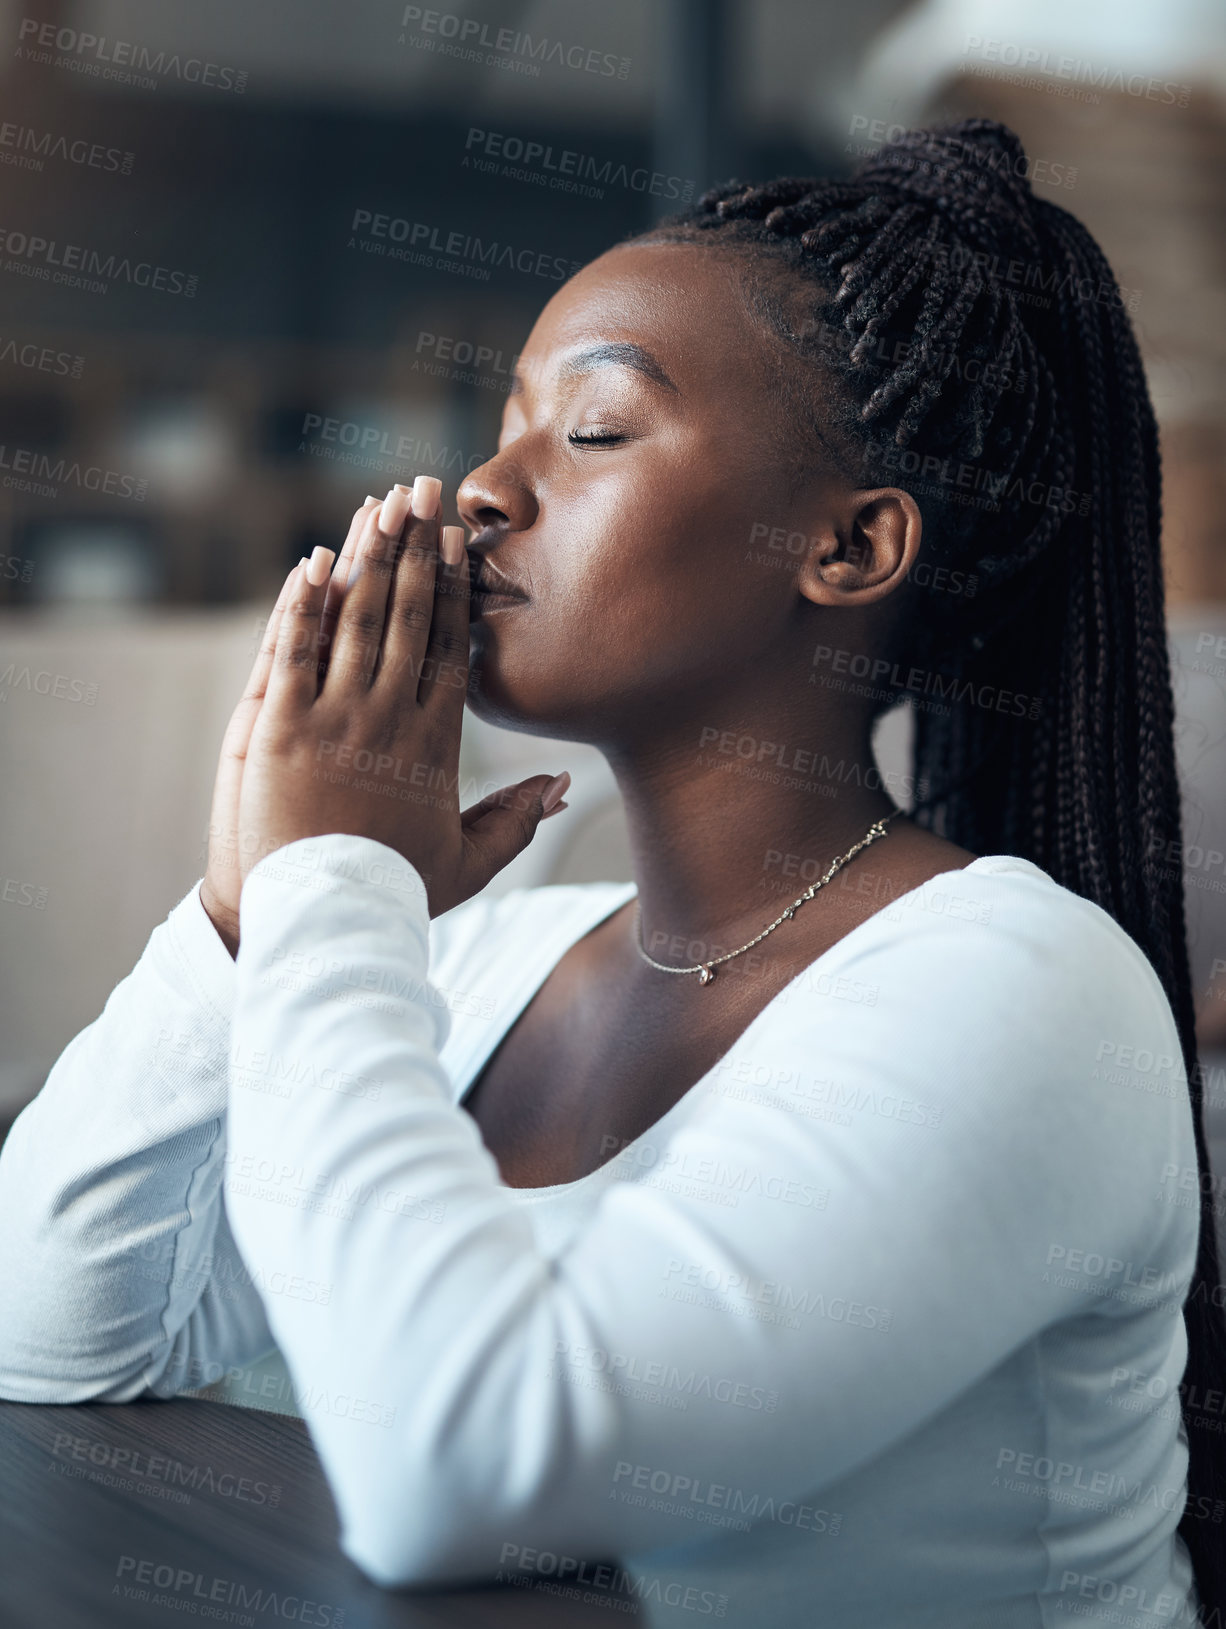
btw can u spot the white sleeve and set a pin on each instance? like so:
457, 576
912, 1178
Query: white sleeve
118, 1273
422, 1324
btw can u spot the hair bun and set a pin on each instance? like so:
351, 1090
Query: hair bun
976, 172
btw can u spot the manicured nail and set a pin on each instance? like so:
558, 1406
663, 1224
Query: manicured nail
319, 565
557, 809
391, 517
427, 490
451, 544
400, 487
369, 499
553, 792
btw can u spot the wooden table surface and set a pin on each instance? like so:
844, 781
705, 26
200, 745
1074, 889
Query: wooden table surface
186, 1511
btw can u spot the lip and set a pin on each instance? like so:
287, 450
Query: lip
487, 578
491, 591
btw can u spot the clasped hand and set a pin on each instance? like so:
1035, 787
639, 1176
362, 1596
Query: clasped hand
351, 719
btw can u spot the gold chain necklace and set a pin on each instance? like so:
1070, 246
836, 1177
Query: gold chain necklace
706, 970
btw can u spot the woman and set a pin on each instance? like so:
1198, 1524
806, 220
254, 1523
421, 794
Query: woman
791, 1246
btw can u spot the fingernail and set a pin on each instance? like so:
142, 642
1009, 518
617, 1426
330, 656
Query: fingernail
557, 809
553, 792
400, 487
395, 508
427, 490
319, 565
369, 499
451, 545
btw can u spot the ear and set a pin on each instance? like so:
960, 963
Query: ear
864, 550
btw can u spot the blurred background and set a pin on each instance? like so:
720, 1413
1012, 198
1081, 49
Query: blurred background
253, 266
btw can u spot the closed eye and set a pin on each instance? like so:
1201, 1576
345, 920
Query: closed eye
598, 440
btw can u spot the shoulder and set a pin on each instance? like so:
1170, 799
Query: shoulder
1001, 913
1021, 1028
1000, 968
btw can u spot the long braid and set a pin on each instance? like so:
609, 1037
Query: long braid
919, 251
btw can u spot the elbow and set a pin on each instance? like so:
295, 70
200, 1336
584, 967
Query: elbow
44, 1388
425, 1542
401, 1560
40, 1365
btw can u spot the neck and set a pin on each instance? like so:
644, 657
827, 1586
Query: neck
727, 828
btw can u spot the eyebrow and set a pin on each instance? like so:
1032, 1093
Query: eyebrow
622, 354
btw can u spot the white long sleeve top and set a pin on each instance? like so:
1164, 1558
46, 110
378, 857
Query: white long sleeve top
882, 1319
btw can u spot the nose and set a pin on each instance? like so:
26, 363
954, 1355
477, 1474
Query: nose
496, 494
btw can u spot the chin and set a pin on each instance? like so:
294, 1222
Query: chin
492, 701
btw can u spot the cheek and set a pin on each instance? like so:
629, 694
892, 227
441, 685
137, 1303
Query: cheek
630, 595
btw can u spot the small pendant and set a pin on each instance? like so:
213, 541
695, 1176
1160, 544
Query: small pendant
707, 974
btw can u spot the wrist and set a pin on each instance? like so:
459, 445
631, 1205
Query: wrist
224, 920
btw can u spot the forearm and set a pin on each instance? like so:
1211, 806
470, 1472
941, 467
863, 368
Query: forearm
119, 1275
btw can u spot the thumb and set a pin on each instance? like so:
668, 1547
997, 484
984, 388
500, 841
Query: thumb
504, 823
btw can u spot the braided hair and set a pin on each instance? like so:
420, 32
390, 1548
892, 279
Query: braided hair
969, 343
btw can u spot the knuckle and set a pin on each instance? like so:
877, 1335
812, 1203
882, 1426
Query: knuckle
413, 616
365, 622
418, 553
295, 658
448, 643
